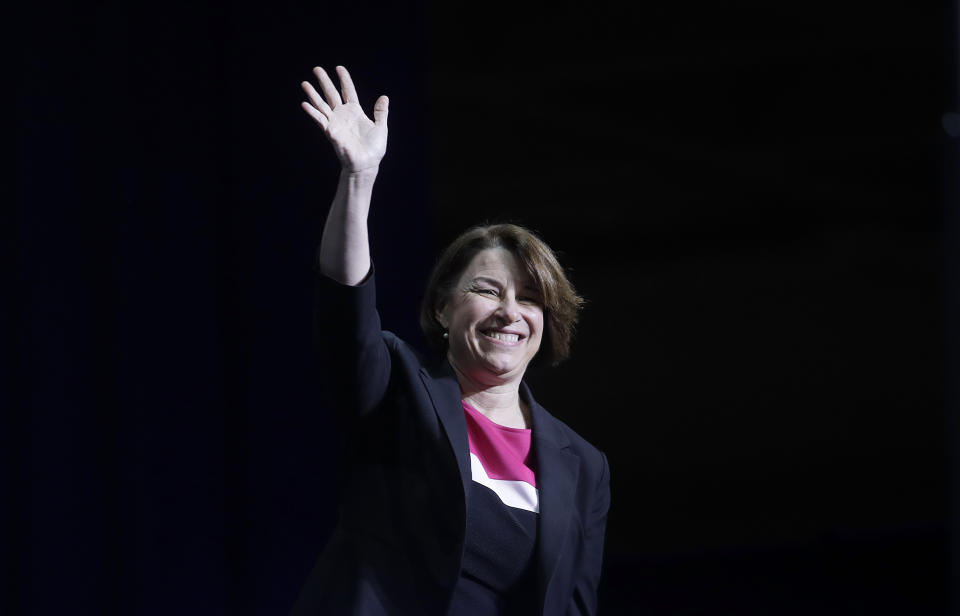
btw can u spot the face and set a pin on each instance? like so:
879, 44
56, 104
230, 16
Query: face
494, 318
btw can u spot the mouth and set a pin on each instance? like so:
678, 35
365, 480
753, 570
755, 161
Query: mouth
503, 338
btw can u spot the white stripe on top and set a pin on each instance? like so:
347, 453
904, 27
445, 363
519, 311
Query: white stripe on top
519, 494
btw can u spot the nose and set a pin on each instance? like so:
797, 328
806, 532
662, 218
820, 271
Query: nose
510, 309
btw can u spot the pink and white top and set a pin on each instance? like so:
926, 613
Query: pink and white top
500, 459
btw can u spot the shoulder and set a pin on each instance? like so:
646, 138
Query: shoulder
401, 348
577, 442
593, 460
404, 354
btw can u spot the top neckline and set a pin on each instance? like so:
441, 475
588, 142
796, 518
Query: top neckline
489, 421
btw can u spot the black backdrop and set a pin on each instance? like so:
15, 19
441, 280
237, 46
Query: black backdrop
757, 199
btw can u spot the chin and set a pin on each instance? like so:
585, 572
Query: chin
501, 368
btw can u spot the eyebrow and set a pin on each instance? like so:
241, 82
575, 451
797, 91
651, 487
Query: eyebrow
494, 281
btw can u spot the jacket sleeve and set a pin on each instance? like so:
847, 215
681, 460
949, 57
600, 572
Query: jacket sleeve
353, 355
584, 599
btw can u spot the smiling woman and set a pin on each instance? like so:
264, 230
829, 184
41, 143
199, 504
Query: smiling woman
459, 494
542, 274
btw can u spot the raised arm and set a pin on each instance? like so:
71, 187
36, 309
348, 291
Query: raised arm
360, 144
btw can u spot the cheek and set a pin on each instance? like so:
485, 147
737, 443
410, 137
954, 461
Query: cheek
538, 325
466, 314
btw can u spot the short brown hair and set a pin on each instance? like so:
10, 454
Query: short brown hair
561, 304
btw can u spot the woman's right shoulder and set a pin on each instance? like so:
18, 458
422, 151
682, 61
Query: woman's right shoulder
401, 350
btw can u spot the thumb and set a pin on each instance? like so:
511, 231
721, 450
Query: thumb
380, 110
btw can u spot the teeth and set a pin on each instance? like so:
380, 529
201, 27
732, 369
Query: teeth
504, 337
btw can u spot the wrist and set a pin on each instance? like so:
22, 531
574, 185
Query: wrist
360, 176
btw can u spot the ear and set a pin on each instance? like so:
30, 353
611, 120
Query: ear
441, 319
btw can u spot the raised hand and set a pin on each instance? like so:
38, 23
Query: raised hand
359, 143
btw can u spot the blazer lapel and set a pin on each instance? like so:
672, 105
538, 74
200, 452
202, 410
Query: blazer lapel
557, 472
444, 391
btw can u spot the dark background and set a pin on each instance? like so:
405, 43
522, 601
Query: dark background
757, 199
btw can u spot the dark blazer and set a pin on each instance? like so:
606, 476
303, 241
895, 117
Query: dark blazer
405, 479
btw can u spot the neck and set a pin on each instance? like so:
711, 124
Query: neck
499, 402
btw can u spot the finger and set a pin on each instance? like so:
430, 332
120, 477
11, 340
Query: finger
316, 99
346, 85
329, 91
318, 117
380, 110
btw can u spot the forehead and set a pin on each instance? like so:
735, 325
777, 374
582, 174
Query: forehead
498, 263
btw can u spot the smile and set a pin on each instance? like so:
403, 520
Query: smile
503, 338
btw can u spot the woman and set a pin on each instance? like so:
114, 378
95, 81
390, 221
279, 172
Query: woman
459, 494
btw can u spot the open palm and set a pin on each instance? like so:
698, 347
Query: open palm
358, 142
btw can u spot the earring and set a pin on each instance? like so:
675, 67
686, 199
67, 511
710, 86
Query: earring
445, 335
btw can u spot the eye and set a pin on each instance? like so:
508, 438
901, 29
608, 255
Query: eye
486, 291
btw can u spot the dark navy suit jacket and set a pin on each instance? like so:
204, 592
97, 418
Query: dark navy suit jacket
405, 479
